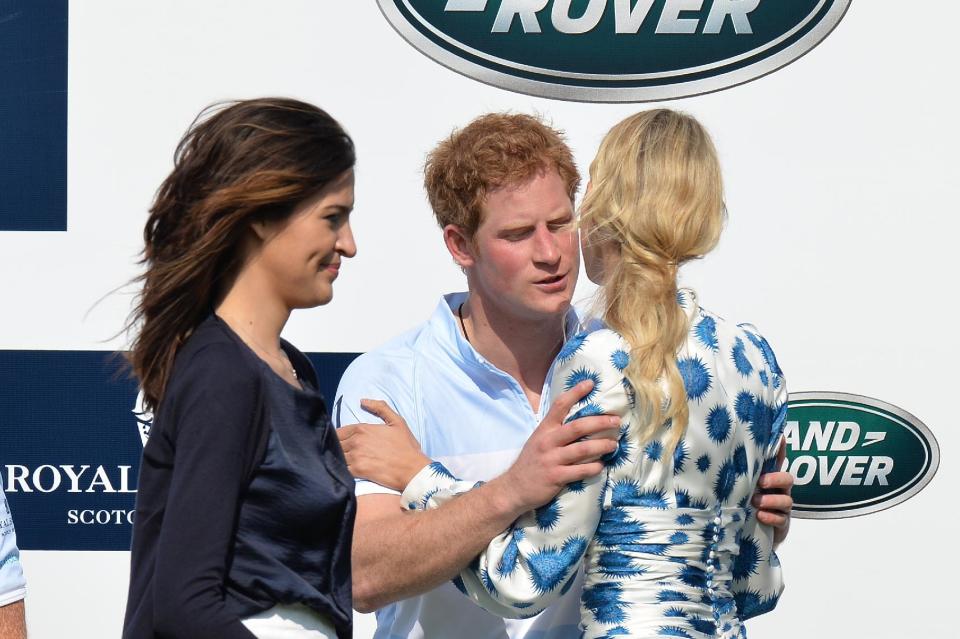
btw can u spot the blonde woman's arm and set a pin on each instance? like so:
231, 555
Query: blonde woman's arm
757, 574
535, 560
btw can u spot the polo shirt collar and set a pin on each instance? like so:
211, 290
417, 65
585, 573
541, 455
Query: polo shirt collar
445, 326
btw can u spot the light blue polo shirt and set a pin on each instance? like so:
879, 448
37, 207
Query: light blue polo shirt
13, 587
472, 417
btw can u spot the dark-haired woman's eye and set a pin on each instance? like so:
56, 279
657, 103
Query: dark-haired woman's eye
337, 219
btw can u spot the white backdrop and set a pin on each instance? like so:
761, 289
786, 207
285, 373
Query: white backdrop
842, 180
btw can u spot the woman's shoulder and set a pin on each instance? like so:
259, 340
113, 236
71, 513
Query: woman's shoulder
737, 345
599, 346
216, 357
212, 374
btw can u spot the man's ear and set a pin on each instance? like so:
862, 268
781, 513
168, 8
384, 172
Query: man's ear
461, 247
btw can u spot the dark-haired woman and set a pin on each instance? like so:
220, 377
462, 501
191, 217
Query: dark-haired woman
245, 506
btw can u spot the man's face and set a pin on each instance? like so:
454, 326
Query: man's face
526, 249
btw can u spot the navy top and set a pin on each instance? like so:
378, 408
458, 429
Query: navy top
244, 498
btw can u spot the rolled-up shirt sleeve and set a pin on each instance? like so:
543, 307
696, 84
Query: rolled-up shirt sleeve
13, 586
528, 566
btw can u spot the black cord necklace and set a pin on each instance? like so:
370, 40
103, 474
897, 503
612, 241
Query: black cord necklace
462, 325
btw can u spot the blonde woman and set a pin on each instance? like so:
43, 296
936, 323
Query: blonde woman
668, 534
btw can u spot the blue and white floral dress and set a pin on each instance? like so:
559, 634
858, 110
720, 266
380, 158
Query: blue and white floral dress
670, 541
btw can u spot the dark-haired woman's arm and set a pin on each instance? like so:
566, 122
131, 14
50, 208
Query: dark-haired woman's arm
218, 425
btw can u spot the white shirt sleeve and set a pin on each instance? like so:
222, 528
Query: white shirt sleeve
531, 564
13, 587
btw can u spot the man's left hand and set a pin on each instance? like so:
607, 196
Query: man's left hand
773, 500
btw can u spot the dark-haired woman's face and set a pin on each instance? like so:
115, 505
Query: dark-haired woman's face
301, 255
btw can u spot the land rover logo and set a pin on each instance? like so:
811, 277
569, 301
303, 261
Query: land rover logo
852, 455
614, 50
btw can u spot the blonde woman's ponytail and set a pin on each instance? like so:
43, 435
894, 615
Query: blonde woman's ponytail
656, 194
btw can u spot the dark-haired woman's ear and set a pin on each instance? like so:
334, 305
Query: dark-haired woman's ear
460, 246
261, 229
265, 227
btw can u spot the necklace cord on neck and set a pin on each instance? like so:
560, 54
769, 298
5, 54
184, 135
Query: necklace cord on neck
462, 325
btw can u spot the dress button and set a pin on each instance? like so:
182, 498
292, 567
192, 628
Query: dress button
712, 554
717, 521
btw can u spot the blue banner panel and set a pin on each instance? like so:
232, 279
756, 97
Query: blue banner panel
70, 445
33, 115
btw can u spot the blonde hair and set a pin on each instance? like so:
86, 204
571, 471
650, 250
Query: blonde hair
657, 193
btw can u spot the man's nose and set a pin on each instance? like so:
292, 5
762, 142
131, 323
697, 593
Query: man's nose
546, 248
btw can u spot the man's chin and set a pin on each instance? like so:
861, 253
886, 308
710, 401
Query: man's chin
553, 305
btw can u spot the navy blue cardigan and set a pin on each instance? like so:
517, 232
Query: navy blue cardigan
244, 499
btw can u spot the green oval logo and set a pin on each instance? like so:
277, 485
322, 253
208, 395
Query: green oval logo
614, 50
852, 455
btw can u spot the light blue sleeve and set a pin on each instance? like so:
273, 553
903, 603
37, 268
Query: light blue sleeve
13, 586
758, 586
532, 563
375, 376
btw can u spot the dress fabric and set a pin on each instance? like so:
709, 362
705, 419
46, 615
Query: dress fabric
669, 539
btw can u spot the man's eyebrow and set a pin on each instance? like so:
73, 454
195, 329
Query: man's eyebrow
517, 229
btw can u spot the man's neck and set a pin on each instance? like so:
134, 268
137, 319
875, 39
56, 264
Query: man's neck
523, 348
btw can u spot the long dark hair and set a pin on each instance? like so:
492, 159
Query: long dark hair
238, 162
